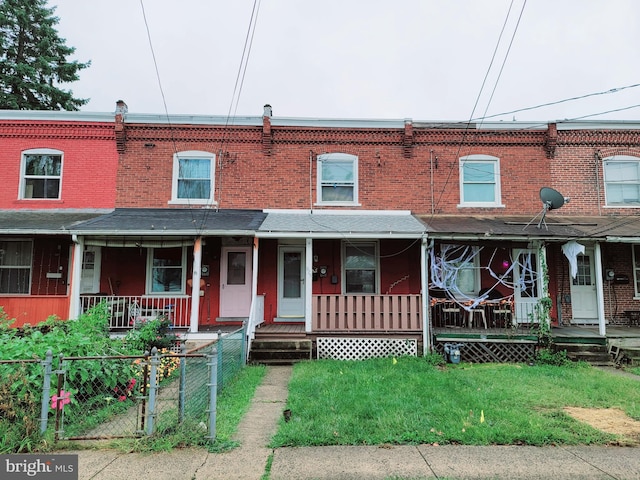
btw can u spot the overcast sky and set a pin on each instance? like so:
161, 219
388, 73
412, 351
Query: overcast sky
419, 59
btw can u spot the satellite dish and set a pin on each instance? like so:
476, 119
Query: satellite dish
552, 199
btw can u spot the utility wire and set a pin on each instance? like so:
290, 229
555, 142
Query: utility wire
557, 102
464, 134
504, 61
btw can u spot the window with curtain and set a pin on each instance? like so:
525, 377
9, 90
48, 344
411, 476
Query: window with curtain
41, 174
622, 180
193, 177
167, 270
360, 262
479, 181
337, 179
15, 266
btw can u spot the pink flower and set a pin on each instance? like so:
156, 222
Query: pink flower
122, 398
61, 400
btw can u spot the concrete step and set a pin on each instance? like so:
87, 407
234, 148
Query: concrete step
595, 354
279, 352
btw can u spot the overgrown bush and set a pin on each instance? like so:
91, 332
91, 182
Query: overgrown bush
546, 356
19, 413
151, 333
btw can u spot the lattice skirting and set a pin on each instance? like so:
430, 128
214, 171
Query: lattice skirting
362, 348
492, 352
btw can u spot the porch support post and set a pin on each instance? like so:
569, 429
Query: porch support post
602, 329
76, 274
424, 288
308, 285
195, 288
254, 278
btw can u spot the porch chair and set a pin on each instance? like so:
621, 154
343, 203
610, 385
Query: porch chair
471, 316
450, 315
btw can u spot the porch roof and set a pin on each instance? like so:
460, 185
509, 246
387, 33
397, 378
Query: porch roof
558, 227
44, 221
172, 222
329, 224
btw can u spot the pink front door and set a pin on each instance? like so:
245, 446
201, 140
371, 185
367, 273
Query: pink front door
235, 282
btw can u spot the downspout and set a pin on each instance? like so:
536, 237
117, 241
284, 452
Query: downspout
308, 286
602, 329
195, 286
432, 184
424, 287
597, 158
76, 274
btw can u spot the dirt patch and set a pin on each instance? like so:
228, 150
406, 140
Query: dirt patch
610, 420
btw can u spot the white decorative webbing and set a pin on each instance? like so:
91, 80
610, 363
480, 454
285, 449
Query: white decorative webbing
446, 268
354, 348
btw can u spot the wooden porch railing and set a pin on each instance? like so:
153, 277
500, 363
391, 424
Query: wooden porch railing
500, 314
125, 311
367, 313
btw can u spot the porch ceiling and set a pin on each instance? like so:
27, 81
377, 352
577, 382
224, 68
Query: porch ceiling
559, 227
172, 222
56, 222
326, 224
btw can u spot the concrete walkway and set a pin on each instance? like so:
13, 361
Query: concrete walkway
354, 462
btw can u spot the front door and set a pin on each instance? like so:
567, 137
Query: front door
235, 282
526, 279
584, 303
291, 269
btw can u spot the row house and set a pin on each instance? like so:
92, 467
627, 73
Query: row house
58, 170
367, 230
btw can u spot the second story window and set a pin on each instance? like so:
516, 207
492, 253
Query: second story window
193, 175
41, 174
337, 179
622, 181
480, 181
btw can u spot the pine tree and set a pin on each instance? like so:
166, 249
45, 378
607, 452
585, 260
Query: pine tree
33, 59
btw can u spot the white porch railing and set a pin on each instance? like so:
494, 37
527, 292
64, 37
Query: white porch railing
367, 313
125, 310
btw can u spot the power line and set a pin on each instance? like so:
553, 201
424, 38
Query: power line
557, 102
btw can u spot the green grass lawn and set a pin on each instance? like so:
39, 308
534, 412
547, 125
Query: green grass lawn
378, 401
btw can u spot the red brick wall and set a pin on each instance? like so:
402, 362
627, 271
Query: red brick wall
89, 163
577, 173
247, 177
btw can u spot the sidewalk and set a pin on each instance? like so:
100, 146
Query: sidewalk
354, 462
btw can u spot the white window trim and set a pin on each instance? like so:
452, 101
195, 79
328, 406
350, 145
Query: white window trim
149, 282
174, 184
474, 265
23, 160
616, 158
357, 243
497, 187
635, 265
342, 157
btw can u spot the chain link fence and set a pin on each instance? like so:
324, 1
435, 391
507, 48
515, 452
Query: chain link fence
132, 396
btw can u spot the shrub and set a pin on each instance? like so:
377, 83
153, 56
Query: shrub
151, 333
546, 356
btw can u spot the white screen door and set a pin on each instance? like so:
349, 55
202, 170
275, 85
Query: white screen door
584, 304
235, 282
291, 291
